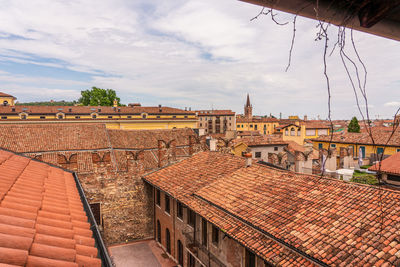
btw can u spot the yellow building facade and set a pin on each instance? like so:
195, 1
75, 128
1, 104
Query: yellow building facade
133, 117
262, 125
366, 149
299, 132
6, 99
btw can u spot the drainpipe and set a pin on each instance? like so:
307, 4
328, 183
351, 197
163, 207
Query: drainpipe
102, 250
154, 213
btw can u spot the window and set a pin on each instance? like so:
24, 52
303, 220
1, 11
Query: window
201, 125
129, 117
180, 253
298, 132
60, 117
13, 109
333, 145
258, 154
320, 146
204, 232
215, 235
322, 131
167, 206
310, 132
23, 117
144, 116
394, 178
275, 148
158, 197
250, 259
191, 261
77, 117
379, 150
185, 116
94, 116
42, 117
5, 103
292, 132
3, 117
95, 208
168, 240
191, 217
179, 210
362, 154
251, 125
99, 109
255, 127
174, 117
397, 150
158, 231
110, 117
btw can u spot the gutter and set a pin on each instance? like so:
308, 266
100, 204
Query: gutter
102, 250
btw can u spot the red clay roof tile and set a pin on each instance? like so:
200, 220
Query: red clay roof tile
325, 219
37, 206
389, 165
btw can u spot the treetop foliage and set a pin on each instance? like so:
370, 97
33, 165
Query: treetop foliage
353, 127
99, 97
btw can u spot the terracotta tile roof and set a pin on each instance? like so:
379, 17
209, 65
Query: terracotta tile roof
293, 147
92, 109
215, 112
317, 124
327, 220
46, 137
6, 95
381, 135
249, 133
143, 139
261, 140
389, 165
256, 120
42, 220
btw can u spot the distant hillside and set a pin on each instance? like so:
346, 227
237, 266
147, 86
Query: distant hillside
50, 103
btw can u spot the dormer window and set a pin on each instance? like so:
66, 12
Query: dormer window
13, 109
94, 115
144, 115
60, 115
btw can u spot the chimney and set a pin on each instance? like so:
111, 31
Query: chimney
185, 108
305, 117
159, 108
248, 157
190, 109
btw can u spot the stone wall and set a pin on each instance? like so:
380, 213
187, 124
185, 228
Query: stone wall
113, 178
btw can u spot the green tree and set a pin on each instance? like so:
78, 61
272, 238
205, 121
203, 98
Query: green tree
353, 127
99, 97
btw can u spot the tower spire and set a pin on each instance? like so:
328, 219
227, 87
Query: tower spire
248, 101
248, 109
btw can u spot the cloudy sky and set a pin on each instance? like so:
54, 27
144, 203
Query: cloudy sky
184, 53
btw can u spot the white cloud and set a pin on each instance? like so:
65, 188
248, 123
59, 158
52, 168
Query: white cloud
392, 104
186, 53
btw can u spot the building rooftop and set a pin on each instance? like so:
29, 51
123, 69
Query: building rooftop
389, 165
215, 112
381, 136
255, 120
6, 95
42, 219
288, 218
92, 109
261, 140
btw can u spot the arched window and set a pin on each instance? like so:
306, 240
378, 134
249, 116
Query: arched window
180, 253
5, 103
168, 240
292, 132
158, 231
